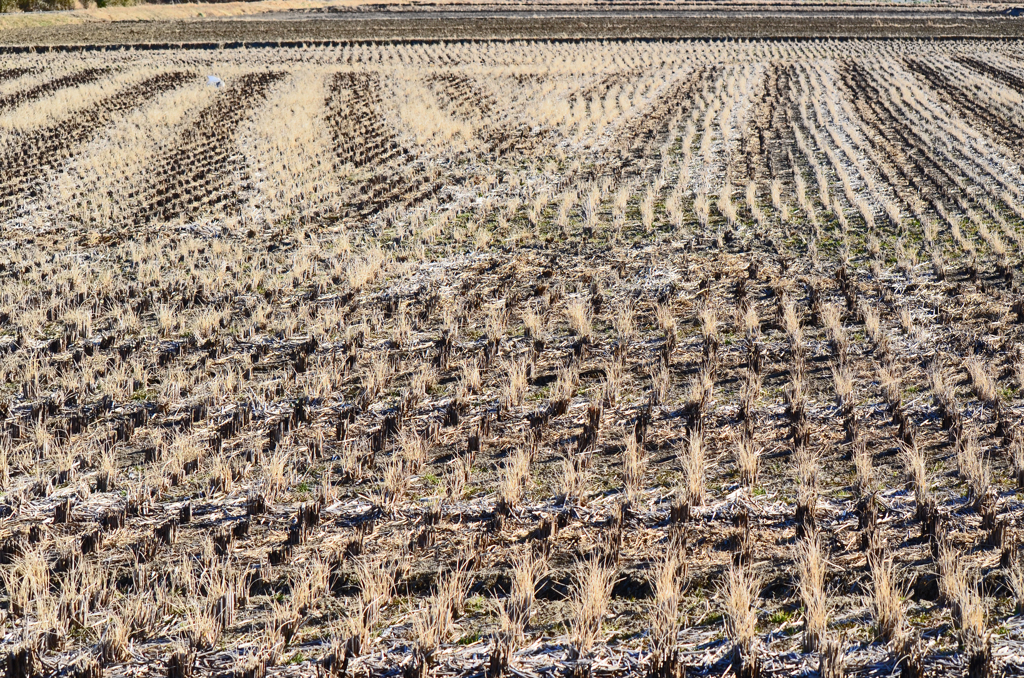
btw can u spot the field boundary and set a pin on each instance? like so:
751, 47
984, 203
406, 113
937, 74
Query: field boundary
296, 44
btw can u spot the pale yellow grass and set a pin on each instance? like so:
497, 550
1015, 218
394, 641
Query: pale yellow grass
167, 12
202, 9
197, 10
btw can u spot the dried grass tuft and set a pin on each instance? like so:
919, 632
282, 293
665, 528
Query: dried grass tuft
590, 594
739, 592
887, 598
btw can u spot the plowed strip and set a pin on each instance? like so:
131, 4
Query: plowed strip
12, 73
361, 135
967, 105
22, 164
39, 91
999, 75
652, 124
198, 175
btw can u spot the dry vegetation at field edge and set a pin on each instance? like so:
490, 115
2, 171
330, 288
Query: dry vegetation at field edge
88, 12
513, 359
320, 21
169, 12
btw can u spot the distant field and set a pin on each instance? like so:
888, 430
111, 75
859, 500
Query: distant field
511, 357
342, 20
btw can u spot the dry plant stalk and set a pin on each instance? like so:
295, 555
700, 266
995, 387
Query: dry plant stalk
748, 459
1017, 458
514, 478
590, 593
433, 623
395, 484
666, 319
533, 323
973, 630
565, 388
515, 613
611, 383
661, 383
872, 324
811, 587
693, 459
376, 588
953, 577
982, 382
514, 385
739, 592
1015, 582
709, 329
471, 382
972, 466
577, 311
887, 599
807, 470
634, 467
916, 469
414, 450
832, 319
665, 617
624, 323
